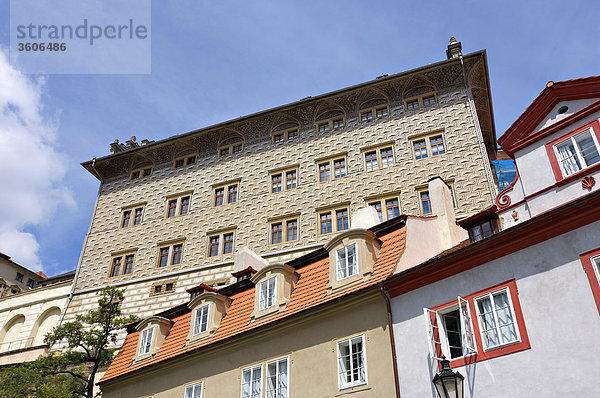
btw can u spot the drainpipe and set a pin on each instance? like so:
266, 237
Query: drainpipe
388, 306
477, 132
71, 294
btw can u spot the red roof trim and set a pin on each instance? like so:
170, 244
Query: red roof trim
568, 90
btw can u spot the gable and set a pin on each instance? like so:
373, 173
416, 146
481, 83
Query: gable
563, 110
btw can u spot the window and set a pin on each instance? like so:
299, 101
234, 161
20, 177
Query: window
220, 243
184, 161
30, 283
352, 366
252, 382
483, 230
378, 158
285, 135
230, 149
386, 207
284, 179
194, 391
591, 265
284, 230
277, 378
372, 113
575, 151
145, 343
329, 224
421, 101
170, 254
220, 197
139, 173
330, 124
425, 202
267, 293
163, 287
431, 145
337, 164
132, 215
201, 320
19, 277
487, 323
122, 264
178, 205
346, 262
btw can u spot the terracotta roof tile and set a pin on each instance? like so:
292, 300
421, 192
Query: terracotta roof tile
310, 291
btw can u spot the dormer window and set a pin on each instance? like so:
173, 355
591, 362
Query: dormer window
352, 255
346, 262
274, 286
267, 293
145, 341
208, 309
152, 333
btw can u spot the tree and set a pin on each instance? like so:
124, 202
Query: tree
72, 373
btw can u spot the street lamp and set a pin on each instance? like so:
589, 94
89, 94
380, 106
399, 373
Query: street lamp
448, 384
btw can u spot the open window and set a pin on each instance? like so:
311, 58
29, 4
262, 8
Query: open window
480, 326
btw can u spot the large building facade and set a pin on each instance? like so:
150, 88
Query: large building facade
175, 213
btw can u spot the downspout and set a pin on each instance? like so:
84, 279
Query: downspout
477, 131
388, 306
72, 293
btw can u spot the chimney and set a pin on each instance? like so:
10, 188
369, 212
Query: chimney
243, 274
245, 258
115, 147
131, 143
454, 48
442, 206
365, 217
198, 290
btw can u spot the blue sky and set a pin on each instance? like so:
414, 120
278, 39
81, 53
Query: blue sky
217, 60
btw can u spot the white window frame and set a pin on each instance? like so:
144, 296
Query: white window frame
145, 345
342, 384
468, 344
582, 163
270, 293
277, 393
490, 296
252, 369
192, 388
347, 267
205, 309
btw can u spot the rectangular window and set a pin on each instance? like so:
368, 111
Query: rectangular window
339, 168
381, 112
346, 262
369, 114
219, 194
483, 230
338, 123
267, 293
277, 379
338, 165
19, 277
323, 127
145, 341
170, 254
179, 163
333, 123
575, 151
277, 138
126, 218
377, 206
326, 218
378, 158
226, 193
420, 149
488, 324
421, 101
283, 135
290, 179
429, 100
30, 283
230, 149
201, 320
437, 145
252, 382
425, 202
143, 172
138, 216
392, 208
324, 172
352, 366
232, 193
122, 264
591, 265
284, 230
276, 183
430, 145
214, 246
277, 179
411, 105
194, 391
178, 206
293, 133
228, 243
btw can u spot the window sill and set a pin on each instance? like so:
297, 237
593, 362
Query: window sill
490, 353
578, 175
351, 390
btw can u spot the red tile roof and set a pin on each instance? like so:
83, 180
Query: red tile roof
310, 292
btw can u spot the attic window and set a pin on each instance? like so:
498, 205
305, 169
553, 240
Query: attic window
146, 341
346, 262
152, 333
274, 286
208, 309
562, 109
267, 293
201, 319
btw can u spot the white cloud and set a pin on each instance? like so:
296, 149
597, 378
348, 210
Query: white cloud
31, 168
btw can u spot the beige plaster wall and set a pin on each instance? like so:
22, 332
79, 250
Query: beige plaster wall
310, 345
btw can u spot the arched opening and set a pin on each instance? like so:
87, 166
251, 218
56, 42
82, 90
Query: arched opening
43, 325
9, 336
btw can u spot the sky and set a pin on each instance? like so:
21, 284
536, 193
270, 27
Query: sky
212, 61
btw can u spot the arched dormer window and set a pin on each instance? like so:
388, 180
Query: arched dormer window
208, 309
230, 145
152, 332
373, 109
274, 286
285, 132
352, 255
419, 97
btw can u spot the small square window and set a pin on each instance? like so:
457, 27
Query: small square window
147, 171
135, 175
277, 138
30, 283
158, 289
292, 134
420, 149
179, 163
412, 105
19, 277
169, 286
190, 160
429, 100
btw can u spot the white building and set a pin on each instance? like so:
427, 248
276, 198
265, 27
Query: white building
517, 311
